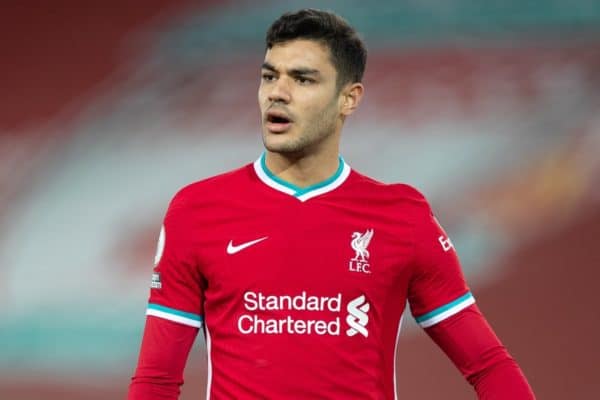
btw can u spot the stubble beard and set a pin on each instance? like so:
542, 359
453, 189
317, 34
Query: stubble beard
305, 141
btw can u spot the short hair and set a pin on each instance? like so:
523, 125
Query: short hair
348, 51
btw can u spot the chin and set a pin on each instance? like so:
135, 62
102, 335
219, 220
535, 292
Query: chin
276, 141
281, 146
277, 146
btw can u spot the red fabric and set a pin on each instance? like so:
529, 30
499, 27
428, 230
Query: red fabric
470, 343
164, 352
258, 348
466, 338
258, 341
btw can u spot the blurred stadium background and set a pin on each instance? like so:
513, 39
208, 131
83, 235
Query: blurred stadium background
492, 109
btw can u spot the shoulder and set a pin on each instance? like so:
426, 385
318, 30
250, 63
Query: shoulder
208, 189
401, 194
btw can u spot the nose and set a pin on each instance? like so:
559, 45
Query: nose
280, 91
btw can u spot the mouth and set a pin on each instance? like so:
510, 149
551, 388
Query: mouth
277, 121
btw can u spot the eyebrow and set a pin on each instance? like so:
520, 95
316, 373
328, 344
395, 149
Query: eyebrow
293, 71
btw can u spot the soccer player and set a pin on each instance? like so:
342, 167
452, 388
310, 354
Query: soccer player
296, 267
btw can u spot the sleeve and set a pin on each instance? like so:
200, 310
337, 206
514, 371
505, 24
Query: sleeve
176, 292
174, 313
470, 343
437, 288
164, 352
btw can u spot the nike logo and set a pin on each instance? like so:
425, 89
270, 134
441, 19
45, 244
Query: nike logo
232, 249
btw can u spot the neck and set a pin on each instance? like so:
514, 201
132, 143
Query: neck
303, 170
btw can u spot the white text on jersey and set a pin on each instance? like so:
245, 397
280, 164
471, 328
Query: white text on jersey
258, 304
445, 242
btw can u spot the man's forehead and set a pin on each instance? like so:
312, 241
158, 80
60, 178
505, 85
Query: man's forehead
299, 54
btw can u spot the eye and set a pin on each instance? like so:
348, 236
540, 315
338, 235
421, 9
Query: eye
304, 81
267, 77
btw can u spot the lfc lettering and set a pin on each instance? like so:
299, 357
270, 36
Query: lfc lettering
358, 266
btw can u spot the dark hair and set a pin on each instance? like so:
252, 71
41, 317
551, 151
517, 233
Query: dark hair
348, 52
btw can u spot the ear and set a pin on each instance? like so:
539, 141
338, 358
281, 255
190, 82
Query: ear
351, 95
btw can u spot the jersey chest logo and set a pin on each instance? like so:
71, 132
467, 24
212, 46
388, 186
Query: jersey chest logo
360, 242
232, 249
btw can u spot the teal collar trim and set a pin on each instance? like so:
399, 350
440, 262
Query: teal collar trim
306, 193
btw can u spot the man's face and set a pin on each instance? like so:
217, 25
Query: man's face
298, 97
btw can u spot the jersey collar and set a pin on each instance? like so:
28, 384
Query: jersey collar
306, 193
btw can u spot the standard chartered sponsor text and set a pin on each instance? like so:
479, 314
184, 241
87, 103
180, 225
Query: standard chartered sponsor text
257, 304
248, 324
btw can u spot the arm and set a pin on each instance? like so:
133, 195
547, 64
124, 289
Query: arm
175, 310
164, 351
442, 304
470, 343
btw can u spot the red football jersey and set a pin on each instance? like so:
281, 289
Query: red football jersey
301, 291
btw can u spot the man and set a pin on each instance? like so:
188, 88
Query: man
298, 268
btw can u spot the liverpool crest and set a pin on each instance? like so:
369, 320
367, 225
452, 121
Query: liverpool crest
360, 242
